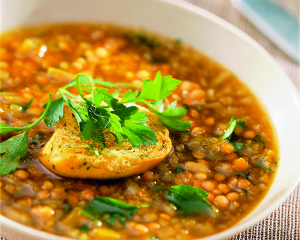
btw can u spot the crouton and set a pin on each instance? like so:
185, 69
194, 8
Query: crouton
67, 155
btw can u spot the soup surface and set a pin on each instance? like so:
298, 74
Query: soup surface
235, 171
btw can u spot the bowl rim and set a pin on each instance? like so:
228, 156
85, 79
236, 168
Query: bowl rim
236, 228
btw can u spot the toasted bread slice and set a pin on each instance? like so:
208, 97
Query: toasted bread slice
67, 155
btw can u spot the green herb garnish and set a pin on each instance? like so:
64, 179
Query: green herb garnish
237, 146
40, 136
84, 228
241, 123
68, 208
188, 200
117, 209
179, 168
16, 147
35, 141
187, 107
153, 237
228, 132
258, 138
261, 166
26, 106
100, 111
178, 41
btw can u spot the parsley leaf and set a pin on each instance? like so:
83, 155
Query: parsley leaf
55, 112
84, 228
237, 146
241, 123
25, 107
119, 210
179, 168
153, 237
158, 89
35, 141
6, 129
92, 131
162, 86
258, 138
134, 127
170, 117
261, 166
189, 200
229, 130
102, 111
14, 149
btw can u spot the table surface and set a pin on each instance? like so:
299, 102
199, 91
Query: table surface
284, 222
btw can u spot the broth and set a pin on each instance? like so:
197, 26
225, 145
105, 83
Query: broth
235, 179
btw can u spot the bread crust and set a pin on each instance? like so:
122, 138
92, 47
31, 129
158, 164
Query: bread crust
67, 155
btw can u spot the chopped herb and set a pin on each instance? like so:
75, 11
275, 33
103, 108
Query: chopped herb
178, 41
247, 175
42, 87
1, 90
186, 106
34, 141
117, 209
241, 123
68, 208
237, 146
141, 39
188, 200
26, 106
153, 237
198, 110
179, 168
40, 136
84, 228
261, 166
228, 132
258, 138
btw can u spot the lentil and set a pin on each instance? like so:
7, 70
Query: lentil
233, 180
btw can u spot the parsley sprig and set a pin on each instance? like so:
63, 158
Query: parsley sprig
102, 110
99, 111
117, 209
16, 147
233, 123
188, 200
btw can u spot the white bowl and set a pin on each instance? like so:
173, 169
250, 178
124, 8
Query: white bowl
210, 35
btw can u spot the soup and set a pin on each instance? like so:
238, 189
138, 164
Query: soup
228, 155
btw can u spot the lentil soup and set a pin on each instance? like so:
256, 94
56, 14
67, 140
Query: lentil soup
235, 172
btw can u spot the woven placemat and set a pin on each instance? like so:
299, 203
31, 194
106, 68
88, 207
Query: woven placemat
225, 10
284, 222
